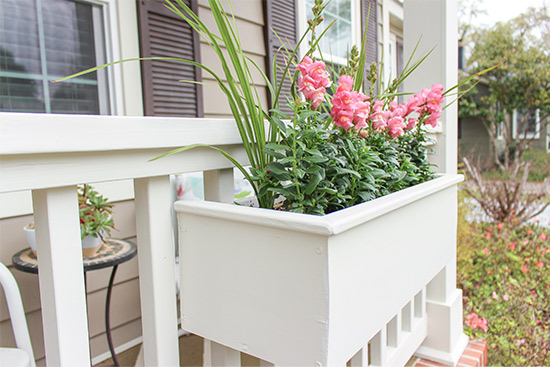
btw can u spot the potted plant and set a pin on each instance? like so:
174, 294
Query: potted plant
96, 221
95, 213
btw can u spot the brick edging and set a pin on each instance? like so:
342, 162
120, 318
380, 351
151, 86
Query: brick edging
475, 355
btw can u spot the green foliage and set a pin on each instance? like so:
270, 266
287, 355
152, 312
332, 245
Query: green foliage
504, 272
319, 171
95, 212
540, 164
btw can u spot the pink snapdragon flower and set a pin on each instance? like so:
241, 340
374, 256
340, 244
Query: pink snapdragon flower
313, 81
349, 108
379, 116
427, 103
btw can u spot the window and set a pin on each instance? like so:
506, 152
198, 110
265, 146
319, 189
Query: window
527, 124
343, 34
43, 40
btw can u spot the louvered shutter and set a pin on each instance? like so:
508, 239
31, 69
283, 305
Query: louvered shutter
372, 34
372, 37
280, 17
163, 34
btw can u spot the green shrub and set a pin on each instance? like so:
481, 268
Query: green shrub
504, 272
540, 164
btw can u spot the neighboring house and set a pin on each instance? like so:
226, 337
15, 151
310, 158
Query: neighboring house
43, 40
474, 140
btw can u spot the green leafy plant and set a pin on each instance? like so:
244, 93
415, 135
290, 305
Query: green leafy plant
504, 272
95, 213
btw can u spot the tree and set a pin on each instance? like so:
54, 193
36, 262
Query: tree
521, 82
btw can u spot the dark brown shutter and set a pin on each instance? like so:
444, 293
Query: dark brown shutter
372, 37
163, 34
280, 17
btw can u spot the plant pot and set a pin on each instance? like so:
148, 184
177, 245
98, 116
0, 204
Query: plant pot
31, 238
298, 289
90, 245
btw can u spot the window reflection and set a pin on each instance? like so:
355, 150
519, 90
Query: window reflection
44, 40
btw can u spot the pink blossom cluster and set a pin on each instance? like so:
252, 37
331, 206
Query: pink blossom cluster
427, 102
349, 108
474, 321
398, 118
313, 81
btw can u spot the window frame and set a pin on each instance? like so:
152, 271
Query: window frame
526, 135
356, 34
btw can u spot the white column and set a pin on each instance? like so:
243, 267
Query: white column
435, 23
61, 279
156, 258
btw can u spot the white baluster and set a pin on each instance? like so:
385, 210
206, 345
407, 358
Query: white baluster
61, 277
394, 331
156, 257
406, 317
361, 358
378, 349
222, 356
218, 186
420, 304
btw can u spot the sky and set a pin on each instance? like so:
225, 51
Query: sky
503, 10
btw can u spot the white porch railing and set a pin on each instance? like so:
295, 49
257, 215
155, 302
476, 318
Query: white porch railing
51, 154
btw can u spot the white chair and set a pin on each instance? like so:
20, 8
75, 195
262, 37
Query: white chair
22, 355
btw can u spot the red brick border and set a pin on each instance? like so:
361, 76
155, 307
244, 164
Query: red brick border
475, 355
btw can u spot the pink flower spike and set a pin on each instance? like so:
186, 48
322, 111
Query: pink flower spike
485, 250
505, 297
495, 295
540, 264
524, 269
499, 226
512, 246
489, 272
542, 237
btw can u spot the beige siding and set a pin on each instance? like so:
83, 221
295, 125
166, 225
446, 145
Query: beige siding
125, 304
249, 19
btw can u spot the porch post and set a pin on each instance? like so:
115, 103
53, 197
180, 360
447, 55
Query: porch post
434, 23
61, 277
156, 256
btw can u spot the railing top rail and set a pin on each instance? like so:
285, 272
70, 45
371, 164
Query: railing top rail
40, 151
31, 133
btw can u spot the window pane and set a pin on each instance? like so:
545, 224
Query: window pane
43, 40
69, 37
19, 45
338, 39
526, 122
21, 95
74, 98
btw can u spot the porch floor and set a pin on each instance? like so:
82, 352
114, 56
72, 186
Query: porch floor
191, 349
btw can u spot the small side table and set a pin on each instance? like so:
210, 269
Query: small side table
111, 254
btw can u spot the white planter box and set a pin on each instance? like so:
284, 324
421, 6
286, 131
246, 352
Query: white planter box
296, 289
